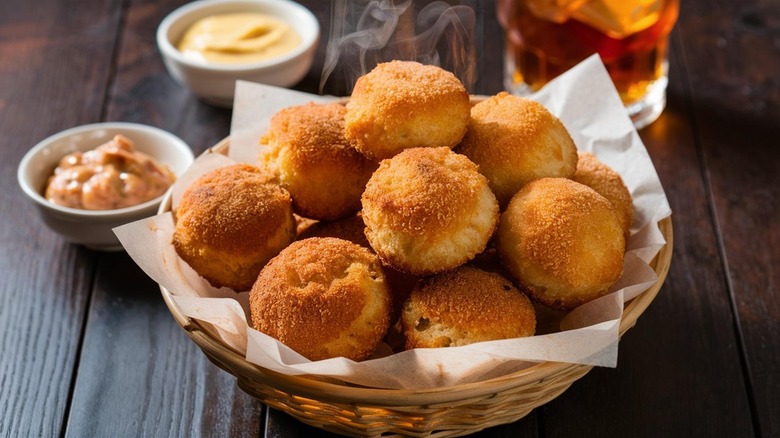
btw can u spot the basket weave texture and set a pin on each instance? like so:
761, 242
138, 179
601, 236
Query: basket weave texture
441, 412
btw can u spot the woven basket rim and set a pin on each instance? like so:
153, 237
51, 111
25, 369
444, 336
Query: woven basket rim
310, 387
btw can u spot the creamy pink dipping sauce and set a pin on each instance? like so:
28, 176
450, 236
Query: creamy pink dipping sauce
111, 176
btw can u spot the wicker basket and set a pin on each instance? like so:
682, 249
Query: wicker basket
448, 411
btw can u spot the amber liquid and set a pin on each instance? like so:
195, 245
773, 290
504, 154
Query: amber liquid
544, 38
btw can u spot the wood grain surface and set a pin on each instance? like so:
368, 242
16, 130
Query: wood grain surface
734, 88
46, 84
88, 348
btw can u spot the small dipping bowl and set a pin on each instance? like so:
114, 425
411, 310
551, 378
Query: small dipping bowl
93, 228
215, 83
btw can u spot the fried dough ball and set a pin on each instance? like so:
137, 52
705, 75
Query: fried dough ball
428, 210
608, 183
353, 229
515, 140
405, 104
562, 242
313, 160
230, 222
465, 306
324, 298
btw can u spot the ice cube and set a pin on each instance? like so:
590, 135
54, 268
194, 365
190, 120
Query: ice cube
619, 18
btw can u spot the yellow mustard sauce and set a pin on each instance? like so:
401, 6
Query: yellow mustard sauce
238, 38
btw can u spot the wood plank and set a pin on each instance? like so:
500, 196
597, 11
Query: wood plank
682, 357
49, 81
490, 55
311, 82
139, 374
733, 62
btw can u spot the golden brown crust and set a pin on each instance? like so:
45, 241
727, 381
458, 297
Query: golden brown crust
562, 242
324, 298
608, 183
403, 104
428, 210
230, 222
418, 190
352, 229
312, 159
464, 306
516, 140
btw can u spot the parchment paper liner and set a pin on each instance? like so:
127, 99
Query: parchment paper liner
586, 102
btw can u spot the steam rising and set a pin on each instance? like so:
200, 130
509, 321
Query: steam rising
366, 32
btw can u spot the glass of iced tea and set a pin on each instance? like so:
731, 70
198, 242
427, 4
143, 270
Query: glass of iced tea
544, 38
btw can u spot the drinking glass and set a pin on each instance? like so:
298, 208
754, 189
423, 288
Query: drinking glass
544, 38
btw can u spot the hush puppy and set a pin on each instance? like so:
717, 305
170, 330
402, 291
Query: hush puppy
312, 159
405, 104
353, 229
465, 306
515, 140
230, 222
428, 210
562, 242
324, 298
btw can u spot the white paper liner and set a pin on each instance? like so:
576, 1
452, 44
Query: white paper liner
586, 102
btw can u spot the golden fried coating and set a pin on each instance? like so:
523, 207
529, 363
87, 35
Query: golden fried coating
404, 104
428, 210
515, 140
465, 306
313, 160
353, 230
562, 242
324, 298
608, 183
230, 222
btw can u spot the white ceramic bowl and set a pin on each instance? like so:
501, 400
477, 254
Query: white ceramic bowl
215, 83
93, 228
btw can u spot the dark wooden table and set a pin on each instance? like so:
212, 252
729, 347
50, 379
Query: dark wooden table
88, 348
